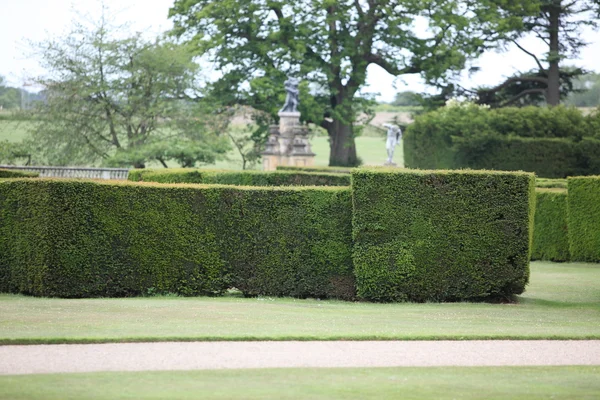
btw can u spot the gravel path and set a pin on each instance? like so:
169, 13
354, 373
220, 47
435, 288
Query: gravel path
219, 355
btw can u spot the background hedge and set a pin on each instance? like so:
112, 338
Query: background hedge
11, 173
86, 239
240, 178
551, 236
584, 218
441, 235
333, 170
552, 142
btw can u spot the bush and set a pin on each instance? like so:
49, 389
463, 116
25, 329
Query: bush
240, 178
87, 239
552, 142
441, 235
11, 173
550, 235
551, 183
331, 170
584, 218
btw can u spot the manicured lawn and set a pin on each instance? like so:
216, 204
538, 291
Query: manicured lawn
562, 301
371, 150
341, 383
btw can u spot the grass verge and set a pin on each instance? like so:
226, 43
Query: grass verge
561, 302
348, 383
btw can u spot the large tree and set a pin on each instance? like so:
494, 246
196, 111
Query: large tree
557, 25
330, 44
120, 101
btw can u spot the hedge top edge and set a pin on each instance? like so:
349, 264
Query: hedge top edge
176, 185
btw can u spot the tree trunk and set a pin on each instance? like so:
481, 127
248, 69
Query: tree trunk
342, 147
553, 91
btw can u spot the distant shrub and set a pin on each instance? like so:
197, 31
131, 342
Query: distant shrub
551, 236
240, 178
441, 235
334, 170
552, 142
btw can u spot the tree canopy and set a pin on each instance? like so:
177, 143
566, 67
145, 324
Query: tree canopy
330, 44
120, 102
557, 25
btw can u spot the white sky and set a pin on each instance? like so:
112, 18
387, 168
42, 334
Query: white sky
22, 21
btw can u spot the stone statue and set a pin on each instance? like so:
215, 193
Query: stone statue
394, 134
291, 100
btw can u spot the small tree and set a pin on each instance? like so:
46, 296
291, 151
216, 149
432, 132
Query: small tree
121, 101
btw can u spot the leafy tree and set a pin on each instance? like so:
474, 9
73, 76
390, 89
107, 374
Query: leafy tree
557, 24
121, 101
9, 97
407, 98
330, 44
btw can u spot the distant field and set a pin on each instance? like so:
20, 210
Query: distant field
13, 131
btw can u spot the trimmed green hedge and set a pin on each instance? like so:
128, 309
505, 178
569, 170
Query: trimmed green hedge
87, 239
552, 142
441, 235
584, 218
545, 183
239, 178
332, 170
551, 235
11, 173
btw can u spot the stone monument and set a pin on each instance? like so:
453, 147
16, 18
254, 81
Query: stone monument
288, 142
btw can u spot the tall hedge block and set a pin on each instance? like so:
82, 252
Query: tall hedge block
551, 235
441, 235
88, 239
240, 178
584, 218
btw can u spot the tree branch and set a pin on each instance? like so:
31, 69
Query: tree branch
523, 93
531, 54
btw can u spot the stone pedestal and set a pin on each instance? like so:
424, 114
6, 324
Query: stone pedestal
287, 144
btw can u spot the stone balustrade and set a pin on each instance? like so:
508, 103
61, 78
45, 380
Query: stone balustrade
73, 172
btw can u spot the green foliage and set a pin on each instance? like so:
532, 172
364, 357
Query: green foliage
241, 178
89, 239
331, 170
550, 183
11, 173
584, 218
407, 98
331, 44
10, 97
552, 142
11, 152
550, 237
121, 102
441, 235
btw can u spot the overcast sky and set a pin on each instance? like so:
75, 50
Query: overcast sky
22, 21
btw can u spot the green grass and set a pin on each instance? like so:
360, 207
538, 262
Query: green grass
341, 383
371, 151
562, 302
13, 130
